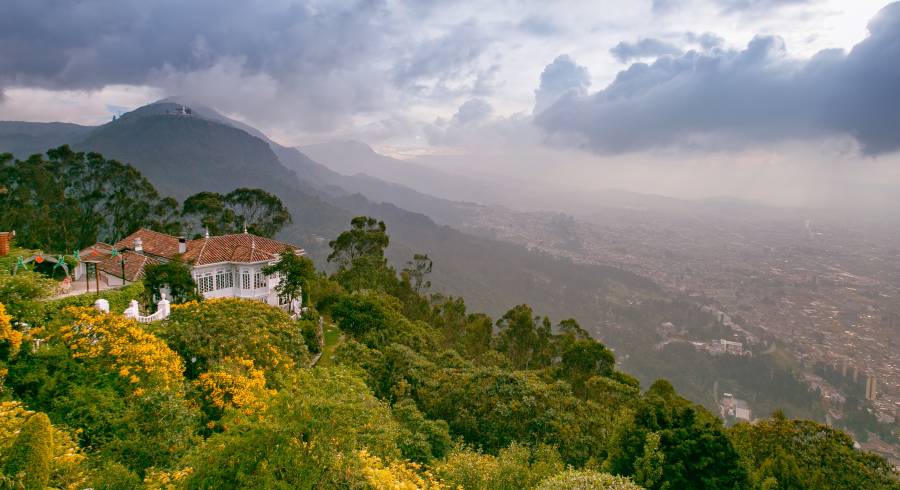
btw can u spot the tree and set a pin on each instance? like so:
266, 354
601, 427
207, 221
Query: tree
518, 335
806, 454
415, 272
207, 210
585, 358
695, 450
204, 334
70, 200
296, 272
175, 275
32, 453
260, 212
255, 210
367, 237
586, 480
648, 468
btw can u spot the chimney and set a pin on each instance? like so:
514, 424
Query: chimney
182, 245
4, 243
138, 245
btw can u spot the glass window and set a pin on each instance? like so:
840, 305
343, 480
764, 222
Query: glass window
224, 279
204, 282
245, 279
259, 281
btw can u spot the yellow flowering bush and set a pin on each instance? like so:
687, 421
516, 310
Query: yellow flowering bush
398, 475
205, 333
139, 357
7, 333
236, 383
66, 470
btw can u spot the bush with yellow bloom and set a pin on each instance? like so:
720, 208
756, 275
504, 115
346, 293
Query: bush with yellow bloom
120, 344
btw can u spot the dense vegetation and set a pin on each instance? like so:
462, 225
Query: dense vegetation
65, 201
419, 392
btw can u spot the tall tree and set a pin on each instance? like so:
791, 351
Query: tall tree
367, 237
260, 212
415, 272
69, 200
255, 210
295, 272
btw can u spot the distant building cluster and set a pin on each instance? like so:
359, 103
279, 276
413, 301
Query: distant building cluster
722, 346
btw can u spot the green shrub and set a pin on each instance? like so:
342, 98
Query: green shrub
587, 480
32, 453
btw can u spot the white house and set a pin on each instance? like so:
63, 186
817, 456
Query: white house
227, 266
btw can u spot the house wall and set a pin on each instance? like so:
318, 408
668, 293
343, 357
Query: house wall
246, 281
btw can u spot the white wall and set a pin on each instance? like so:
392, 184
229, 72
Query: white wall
265, 293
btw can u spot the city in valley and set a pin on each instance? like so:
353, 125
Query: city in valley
824, 288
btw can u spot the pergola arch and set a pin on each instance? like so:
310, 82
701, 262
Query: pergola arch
40, 258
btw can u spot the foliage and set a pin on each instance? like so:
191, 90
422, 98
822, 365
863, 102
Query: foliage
586, 480
255, 210
514, 467
523, 337
176, 276
420, 440
307, 438
22, 293
395, 476
67, 464
32, 453
204, 334
805, 454
367, 237
12, 337
415, 271
295, 272
70, 200
235, 383
140, 359
695, 452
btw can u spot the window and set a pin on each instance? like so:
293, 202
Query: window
259, 281
204, 282
245, 279
224, 279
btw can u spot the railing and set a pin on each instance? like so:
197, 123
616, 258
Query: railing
163, 308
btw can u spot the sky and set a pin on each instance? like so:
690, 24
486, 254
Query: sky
789, 102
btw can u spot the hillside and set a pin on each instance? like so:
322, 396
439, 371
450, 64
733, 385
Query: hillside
27, 138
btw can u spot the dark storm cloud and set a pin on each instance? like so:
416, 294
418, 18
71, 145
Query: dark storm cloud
561, 77
271, 60
758, 94
89, 44
643, 48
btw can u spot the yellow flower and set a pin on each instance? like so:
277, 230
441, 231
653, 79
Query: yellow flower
7, 333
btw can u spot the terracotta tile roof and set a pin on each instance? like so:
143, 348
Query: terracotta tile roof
241, 247
96, 252
154, 243
134, 265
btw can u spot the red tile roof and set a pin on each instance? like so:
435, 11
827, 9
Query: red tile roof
154, 243
134, 265
241, 247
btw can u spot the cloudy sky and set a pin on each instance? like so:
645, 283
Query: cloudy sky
790, 101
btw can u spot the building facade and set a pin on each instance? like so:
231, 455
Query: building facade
226, 266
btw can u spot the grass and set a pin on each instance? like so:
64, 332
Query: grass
333, 338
